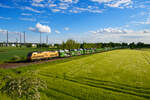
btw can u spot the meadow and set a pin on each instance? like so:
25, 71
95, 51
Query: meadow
114, 75
7, 53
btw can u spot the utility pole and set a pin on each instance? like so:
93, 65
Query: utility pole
47, 39
24, 37
40, 39
20, 37
7, 38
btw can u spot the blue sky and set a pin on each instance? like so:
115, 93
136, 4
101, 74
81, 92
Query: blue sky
82, 20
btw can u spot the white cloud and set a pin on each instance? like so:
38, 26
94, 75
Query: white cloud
26, 14
120, 4
40, 28
88, 9
101, 1
4, 6
28, 19
32, 29
38, 1
112, 31
3, 31
63, 5
43, 28
70, 1
116, 3
52, 5
66, 29
31, 9
73, 11
56, 31
141, 23
45, 22
118, 34
5, 18
38, 5
56, 10
145, 22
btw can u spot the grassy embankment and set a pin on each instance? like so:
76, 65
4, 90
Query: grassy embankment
8, 53
113, 75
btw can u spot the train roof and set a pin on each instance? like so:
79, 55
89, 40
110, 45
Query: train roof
42, 51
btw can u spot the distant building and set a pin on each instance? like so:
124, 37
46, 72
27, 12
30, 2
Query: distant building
34, 45
13, 45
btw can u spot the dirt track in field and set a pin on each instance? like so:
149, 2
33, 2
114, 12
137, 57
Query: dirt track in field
25, 63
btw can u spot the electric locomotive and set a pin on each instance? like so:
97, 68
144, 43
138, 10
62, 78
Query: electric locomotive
42, 55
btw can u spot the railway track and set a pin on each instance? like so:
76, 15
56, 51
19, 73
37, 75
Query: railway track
25, 63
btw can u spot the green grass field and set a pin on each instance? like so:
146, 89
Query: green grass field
114, 75
7, 53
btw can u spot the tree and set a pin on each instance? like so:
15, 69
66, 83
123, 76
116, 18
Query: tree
62, 46
29, 45
140, 45
70, 44
124, 44
132, 45
98, 45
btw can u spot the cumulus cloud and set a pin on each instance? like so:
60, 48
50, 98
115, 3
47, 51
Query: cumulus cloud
116, 31
118, 34
41, 28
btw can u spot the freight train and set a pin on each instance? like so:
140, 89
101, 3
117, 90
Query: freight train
65, 53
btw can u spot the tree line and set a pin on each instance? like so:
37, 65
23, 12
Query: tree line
72, 44
138, 45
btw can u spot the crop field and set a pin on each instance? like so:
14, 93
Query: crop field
114, 75
7, 53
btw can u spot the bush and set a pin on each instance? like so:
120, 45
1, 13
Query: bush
16, 58
29, 45
26, 87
